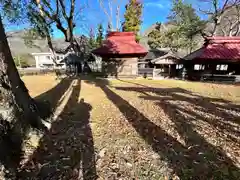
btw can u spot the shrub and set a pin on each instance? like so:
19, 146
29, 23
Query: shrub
20, 62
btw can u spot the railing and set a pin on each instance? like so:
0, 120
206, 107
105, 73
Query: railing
36, 71
145, 71
218, 77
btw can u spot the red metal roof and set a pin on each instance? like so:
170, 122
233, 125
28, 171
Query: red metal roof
218, 48
120, 43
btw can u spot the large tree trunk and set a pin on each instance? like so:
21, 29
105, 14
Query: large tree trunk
17, 109
14, 93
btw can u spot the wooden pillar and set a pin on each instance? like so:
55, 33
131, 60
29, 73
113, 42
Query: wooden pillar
169, 70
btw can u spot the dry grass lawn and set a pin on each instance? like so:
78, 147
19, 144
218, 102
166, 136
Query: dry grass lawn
136, 129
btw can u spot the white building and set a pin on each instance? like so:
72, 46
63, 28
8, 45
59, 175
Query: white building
45, 60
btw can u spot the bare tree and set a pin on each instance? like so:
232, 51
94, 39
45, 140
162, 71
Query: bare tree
230, 24
41, 28
118, 18
216, 14
58, 13
108, 11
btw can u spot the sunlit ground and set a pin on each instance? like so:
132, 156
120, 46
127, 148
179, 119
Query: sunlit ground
136, 129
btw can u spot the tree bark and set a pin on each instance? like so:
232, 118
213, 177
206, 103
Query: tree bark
18, 108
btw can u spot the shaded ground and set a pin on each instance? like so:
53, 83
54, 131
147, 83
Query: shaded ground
140, 129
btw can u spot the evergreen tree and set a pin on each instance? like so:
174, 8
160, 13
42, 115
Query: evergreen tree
185, 25
132, 17
184, 16
99, 38
92, 41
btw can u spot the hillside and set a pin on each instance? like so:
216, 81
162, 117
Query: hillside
19, 48
17, 45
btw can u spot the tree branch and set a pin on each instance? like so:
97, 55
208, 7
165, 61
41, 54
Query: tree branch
57, 6
72, 9
47, 4
110, 9
217, 12
117, 18
63, 9
105, 11
55, 18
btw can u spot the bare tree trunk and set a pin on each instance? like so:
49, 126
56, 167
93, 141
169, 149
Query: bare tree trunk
117, 18
18, 108
18, 111
50, 45
108, 14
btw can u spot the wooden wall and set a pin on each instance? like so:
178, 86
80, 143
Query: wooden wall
120, 66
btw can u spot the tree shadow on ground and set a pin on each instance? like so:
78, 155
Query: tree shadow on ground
49, 100
11, 140
197, 158
67, 150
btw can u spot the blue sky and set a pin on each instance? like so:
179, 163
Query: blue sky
153, 11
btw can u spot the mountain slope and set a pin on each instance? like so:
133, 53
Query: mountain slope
229, 25
19, 48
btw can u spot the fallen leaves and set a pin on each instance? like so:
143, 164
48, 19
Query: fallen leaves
190, 130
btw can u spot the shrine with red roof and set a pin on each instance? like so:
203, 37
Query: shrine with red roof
120, 53
219, 58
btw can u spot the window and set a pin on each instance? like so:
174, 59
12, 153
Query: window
222, 67
179, 66
58, 57
199, 67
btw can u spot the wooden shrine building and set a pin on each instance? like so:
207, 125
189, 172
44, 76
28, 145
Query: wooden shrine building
168, 65
120, 53
218, 59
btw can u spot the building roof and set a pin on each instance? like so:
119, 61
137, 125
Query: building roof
218, 48
173, 57
41, 53
120, 43
154, 53
169, 58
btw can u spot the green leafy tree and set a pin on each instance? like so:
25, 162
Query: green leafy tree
184, 24
132, 17
184, 16
99, 39
170, 38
